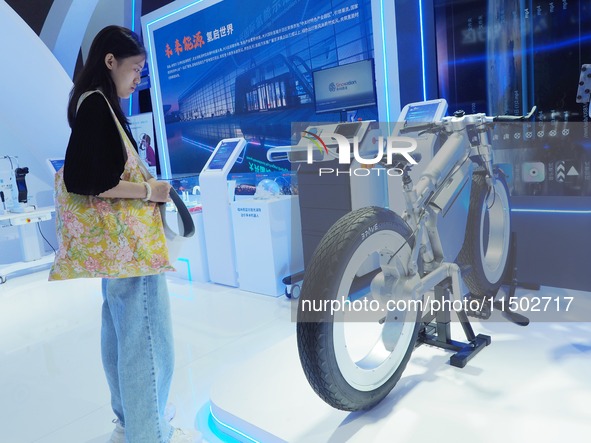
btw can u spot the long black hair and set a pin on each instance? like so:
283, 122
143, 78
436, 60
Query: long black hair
116, 40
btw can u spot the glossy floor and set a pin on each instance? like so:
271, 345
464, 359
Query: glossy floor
532, 384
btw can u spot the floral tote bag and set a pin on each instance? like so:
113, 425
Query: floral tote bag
108, 237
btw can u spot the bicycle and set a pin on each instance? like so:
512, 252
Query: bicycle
456, 227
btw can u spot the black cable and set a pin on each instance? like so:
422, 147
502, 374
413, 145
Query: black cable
406, 241
44, 238
490, 189
9, 157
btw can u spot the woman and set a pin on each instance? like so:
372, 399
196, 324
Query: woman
147, 150
109, 226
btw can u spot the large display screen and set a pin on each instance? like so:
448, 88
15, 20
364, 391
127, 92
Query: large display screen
503, 57
222, 70
345, 87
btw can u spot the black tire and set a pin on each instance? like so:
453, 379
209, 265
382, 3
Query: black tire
335, 375
487, 241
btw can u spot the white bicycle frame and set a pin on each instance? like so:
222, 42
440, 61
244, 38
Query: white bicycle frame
436, 209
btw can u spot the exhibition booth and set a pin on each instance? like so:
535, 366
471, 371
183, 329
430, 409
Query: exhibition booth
403, 184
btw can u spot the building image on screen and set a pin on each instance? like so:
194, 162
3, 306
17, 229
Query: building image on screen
226, 75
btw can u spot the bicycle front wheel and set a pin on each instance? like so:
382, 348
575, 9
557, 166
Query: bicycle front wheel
353, 358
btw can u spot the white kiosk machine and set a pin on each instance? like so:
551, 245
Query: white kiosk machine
217, 218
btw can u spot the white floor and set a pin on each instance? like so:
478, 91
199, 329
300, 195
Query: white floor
531, 384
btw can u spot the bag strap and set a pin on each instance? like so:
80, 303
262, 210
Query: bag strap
145, 173
83, 97
187, 226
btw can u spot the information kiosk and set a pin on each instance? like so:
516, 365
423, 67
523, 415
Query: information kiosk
216, 197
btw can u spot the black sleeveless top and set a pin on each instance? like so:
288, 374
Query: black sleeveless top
95, 157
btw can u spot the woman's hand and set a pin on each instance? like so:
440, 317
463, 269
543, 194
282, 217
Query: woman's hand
160, 191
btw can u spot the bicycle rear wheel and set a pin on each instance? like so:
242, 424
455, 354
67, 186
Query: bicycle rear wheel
353, 359
488, 232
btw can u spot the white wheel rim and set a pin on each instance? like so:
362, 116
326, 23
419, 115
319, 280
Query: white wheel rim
360, 353
494, 241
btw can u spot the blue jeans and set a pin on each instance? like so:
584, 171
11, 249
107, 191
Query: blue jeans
138, 354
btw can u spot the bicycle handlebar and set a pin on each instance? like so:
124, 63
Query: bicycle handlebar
468, 119
512, 118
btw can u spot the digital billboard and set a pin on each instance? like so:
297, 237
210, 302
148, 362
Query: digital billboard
220, 70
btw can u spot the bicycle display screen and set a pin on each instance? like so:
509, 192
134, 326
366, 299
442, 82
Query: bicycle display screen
422, 113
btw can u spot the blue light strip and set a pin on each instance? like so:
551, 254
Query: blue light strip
165, 167
524, 90
538, 49
424, 69
130, 111
198, 144
188, 262
386, 94
230, 428
133, 15
552, 211
173, 13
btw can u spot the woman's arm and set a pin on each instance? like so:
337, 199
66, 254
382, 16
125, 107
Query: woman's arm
125, 189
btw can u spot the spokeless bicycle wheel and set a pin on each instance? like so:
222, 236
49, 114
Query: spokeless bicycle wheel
356, 326
488, 232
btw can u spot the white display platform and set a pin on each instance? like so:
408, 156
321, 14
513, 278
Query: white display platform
268, 242
530, 384
268, 399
